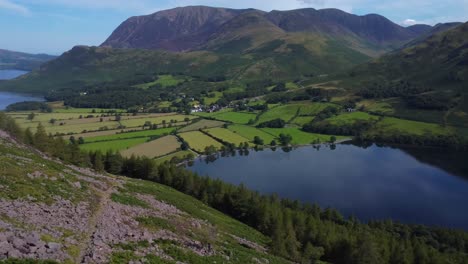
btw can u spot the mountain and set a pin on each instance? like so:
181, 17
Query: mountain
12, 60
175, 30
431, 74
439, 61
55, 212
193, 28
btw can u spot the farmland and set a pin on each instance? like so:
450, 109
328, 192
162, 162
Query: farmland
114, 145
226, 136
172, 119
250, 133
285, 112
179, 154
300, 137
156, 148
149, 134
199, 141
392, 126
350, 118
139, 134
235, 117
202, 124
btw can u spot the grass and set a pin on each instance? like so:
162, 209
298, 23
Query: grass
300, 137
202, 124
285, 112
128, 200
163, 80
196, 209
156, 120
199, 141
351, 118
114, 145
214, 99
302, 120
155, 148
250, 133
236, 117
395, 126
138, 134
180, 154
314, 108
152, 222
227, 136
79, 128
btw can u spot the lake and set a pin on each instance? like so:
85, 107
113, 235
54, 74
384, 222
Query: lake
7, 98
10, 74
419, 186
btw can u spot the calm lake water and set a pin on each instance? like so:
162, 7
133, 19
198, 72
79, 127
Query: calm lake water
420, 186
10, 74
7, 98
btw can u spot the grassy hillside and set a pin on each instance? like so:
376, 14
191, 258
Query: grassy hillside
241, 58
53, 211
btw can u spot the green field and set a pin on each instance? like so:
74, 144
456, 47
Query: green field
153, 149
199, 141
179, 154
115, 145
302, 120
300, 137
88, 110
395, 126
285, 112
351, 118
250, 133
313, 109
163, 80
155, 120
227, 136
236, 117
78, 128
211, 100
202, 124
144, 133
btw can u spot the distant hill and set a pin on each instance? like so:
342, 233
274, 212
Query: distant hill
198, 27
22, 61
429, 75
439, 61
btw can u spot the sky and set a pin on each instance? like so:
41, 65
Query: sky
55, 26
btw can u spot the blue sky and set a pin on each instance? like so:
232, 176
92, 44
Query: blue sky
55, 26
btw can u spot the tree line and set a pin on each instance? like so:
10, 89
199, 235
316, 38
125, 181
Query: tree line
302, 233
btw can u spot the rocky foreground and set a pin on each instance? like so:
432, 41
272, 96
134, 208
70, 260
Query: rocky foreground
54, 211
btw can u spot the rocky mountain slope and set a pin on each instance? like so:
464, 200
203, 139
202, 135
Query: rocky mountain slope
191, 28
58, 212
22, 61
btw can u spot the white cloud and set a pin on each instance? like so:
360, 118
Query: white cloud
409, 22
9, 5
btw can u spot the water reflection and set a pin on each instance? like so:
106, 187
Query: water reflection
369, 181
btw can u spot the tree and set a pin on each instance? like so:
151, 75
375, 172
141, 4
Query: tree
41, 139
332, 139
285, 139
97, 160
53, 121
28, 137
258, 141
273, 143
31, 116
81, 141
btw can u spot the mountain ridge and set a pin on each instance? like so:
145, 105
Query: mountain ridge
14, 60
189, 28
